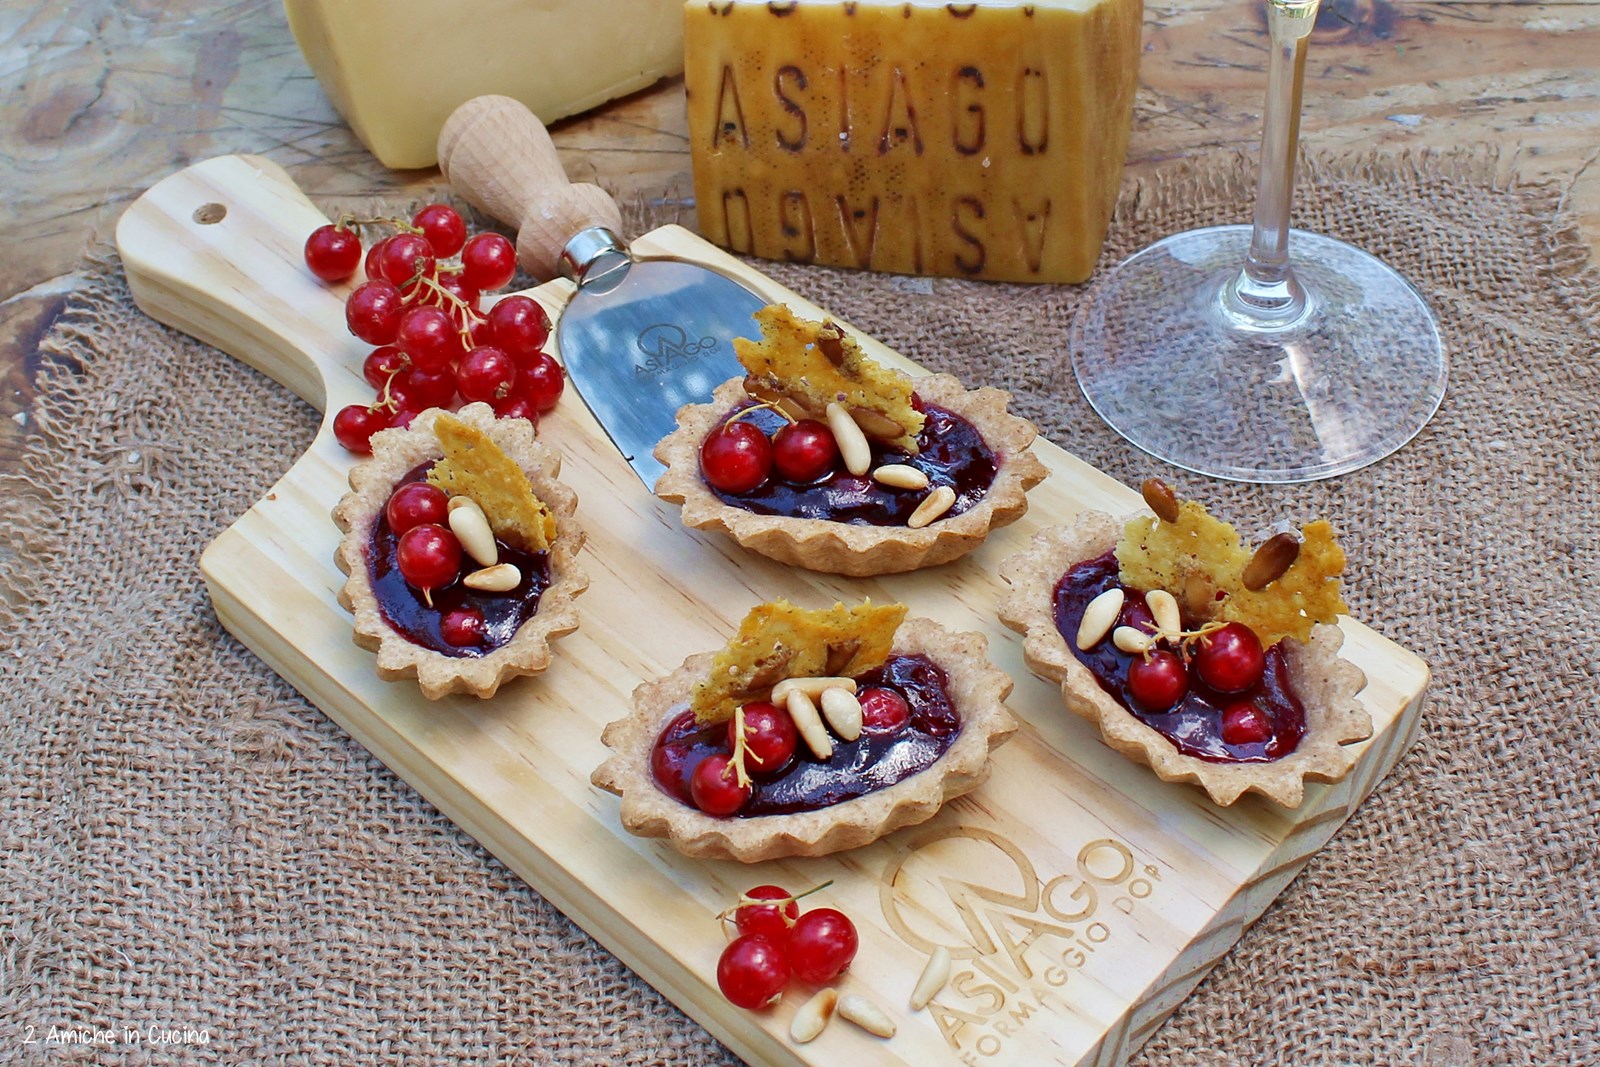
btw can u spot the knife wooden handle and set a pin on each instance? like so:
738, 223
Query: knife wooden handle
498, 155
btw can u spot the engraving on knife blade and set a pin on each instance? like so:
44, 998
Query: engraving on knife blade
665, 346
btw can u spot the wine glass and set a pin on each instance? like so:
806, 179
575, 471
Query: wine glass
1211, 351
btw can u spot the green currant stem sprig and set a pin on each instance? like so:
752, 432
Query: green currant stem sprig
349, 221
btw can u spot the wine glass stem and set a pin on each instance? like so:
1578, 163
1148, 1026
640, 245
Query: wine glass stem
1265, 289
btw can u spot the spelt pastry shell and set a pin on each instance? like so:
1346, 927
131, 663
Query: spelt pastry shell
842, 548
394, 454
1327, 685
976, 690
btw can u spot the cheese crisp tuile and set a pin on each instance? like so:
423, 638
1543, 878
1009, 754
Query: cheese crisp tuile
778, 640
474, 466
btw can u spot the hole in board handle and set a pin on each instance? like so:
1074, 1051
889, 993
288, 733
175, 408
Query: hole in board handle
210, 214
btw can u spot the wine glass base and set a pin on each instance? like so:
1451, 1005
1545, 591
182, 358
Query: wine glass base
1162, 358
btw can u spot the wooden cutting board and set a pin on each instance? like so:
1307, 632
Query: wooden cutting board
1081, 898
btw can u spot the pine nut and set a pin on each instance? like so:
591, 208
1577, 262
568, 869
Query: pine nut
1131, 641
934, 505
865, 1014
462, 502
1161, 499
876, 424
1275, 556
1164, 606
813, 1016
934, 975
853, 447
811, 687
843, 712
809, 724
501, 578
472, 530
1099, 617
900, 476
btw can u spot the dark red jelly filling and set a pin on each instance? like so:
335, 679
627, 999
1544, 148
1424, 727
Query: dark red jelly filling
952, 453
865, 765
1194, 724
406, 609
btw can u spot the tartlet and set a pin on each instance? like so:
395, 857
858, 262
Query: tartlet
849, 547
1326, 685
397, 454
974, 686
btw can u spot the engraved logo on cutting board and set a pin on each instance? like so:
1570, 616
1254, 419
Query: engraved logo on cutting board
665, 346
1017, 938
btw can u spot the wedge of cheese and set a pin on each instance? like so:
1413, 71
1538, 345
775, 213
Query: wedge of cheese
981, 139
396, 69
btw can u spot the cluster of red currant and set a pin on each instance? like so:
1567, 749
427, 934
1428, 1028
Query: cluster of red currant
737, 457
429, 555
777, 943
419, 306
1228, 660
765, 736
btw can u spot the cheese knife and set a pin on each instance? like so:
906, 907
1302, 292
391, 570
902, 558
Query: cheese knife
640, 337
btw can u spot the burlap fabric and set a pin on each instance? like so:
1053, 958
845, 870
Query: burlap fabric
187, 843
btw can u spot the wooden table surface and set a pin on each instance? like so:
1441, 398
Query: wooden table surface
102, 98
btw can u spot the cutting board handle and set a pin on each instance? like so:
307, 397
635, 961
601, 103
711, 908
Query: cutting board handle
498, 155
217, 251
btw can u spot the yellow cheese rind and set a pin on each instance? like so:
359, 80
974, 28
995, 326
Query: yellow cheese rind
789, 360
778, 640
396, 69
968, 140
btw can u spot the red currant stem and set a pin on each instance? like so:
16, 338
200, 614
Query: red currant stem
780, 902
741, 749
770, 405
348, 221
386, 398
427, 594
465, 310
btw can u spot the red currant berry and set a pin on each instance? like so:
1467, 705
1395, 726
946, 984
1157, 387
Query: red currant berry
414, 504
769, 737
402, 417
1159, 680
429, 337
485, 374
1230, 660
714, 787
1245, 724
516, 407
768, 920
736, 457
519, 326
373, 312
752, 972
821, 945
539, 378
488, 261
429, 556
372, 264
405, 255
429, 387
1136, 613
333, 254
354, 426
443, 227
883, 711
463, 627
382, 364
804, 451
